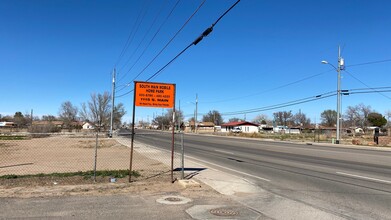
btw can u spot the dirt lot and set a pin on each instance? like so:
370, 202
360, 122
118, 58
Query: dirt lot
58, 154
70, 154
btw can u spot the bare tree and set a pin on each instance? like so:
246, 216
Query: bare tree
119, 112
68, 113
329, 117
28, 118
84, 113
300, 119
352, 116
164, 121
48, 118
358, 115
98, 111
365, 110
234, 120
283, 118
262, 119
19, 119
388, 115
161, 122
213, 116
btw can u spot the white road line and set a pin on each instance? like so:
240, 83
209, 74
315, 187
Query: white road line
236, 171
222, 151
364, 177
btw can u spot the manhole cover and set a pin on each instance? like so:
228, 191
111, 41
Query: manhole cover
223, 212
173, 199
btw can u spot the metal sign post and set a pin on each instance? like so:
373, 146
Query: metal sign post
154, 95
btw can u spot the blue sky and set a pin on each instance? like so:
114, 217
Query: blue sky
261, 53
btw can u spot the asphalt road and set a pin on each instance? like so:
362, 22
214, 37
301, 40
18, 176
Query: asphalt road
352, 182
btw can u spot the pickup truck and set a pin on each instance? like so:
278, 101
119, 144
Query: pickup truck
236, 130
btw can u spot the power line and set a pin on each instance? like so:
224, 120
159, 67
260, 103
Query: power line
161, 69
366, 84
304, 100
144, 37
169, 42
369, 63
295, 82
285, 104
160, 52
376, 88
153, 38
309, 99
136, 25
149, 44
298, 100
280, 106
366, 92
195, 42
269, 90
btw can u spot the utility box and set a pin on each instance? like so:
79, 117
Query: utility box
376, 135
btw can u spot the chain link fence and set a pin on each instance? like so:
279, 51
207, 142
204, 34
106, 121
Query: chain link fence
156, 146
23, 153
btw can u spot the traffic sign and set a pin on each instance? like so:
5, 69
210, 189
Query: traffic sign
155, 95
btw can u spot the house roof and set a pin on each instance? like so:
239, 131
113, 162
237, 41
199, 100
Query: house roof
206, 124
88, 123
202, 124
239, 123
48, 122
75, 123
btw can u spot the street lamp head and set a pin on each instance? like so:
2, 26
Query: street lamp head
324, 62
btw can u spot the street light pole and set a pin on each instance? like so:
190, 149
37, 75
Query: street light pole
341, 66
338, 96
112, 105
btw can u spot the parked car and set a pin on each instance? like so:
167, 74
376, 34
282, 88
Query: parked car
236, 130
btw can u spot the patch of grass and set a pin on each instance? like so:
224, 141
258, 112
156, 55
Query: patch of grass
12, 176
12, 137
87, 174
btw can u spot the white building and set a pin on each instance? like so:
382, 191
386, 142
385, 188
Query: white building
88, 126
245, 126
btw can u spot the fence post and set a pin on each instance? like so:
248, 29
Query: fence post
96, 155
183, 157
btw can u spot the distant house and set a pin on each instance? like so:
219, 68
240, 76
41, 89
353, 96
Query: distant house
245, 126
7, 124
265, 128
88, 126
201, 126
286, 130
58, 124
280, 129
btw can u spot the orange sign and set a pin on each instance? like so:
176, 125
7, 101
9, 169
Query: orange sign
156, 95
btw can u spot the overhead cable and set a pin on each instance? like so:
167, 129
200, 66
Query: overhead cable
169, 42
285, 104
135, 28
310, 99
269, 90
366, 84
196, 41
369, 63
204, 34
142, 40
